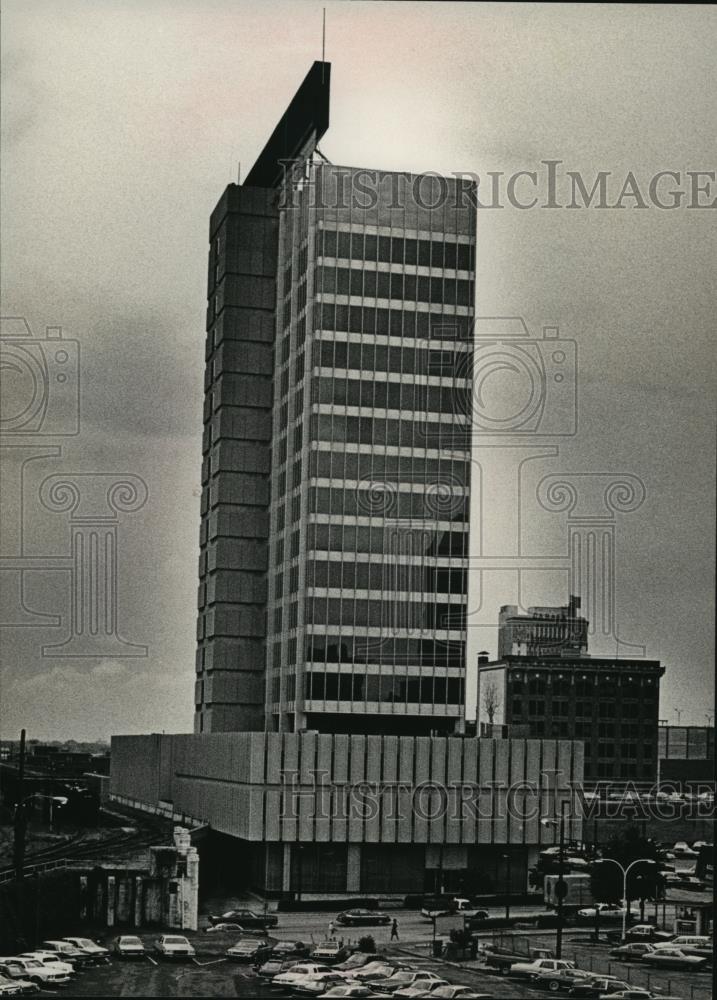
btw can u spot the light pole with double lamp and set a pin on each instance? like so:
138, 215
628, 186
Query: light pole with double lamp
625, 872
560, 886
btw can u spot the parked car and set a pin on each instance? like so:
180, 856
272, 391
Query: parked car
692, 944
317, 984
634, 993
607, 911
21, 986
362, 918
418, 991
128, 946
641, 932
598, 986
667, 957
410, 977
290, 949
527, 970
457, 993
353, 991
68, 953
250, 950
174, 946
359, 960
8, 988
274, 967
329, 952
683, 850
50, 960
560, 979
248, 919
224, 927
18, 967
632, 951
96, 952
297, 971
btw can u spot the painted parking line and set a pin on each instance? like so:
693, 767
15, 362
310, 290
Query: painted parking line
152, 960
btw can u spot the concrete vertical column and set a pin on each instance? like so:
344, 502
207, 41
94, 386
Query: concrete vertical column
353, 868
138, 901
286, 871
111, 901
191, 892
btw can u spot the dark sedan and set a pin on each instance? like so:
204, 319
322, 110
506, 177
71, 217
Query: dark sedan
247, 919
363, 918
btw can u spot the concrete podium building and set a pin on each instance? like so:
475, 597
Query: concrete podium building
334, 541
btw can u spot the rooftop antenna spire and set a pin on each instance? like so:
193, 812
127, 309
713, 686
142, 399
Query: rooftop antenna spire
323, 43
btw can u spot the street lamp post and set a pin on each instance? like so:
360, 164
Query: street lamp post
560, 887
507, 858
625, 873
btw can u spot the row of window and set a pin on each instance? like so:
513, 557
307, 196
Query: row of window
339, 464
392, 395
374, 687
388, 650
440, 291
370, 357
386, 540
629, 688
382, 500
605, 709
386, 575
388, 614
610, 770
395, 249
396, 322
418, 433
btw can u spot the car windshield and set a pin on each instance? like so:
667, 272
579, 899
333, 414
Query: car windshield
85, 943
130, 940
31, 963
175, 940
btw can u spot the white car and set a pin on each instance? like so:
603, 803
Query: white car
8, 988
673, 958
607, 911
90, 947
317, 984
410, 977
298, 972
50, 961
418, 990
526, 970
683, 850
174, 946
67, 952
224, 927
691, 944
128, 946
29, 968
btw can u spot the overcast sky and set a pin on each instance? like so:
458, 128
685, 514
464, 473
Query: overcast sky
122, 124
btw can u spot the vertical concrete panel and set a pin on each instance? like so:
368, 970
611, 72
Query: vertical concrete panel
486, 751
358, 759
341, 758
257, 755
273, 758
272, 798
406, 751
373, 758
471, 791
353, 868
390, 758
532, 824
307, 757
404, 809
516, 794
502, 752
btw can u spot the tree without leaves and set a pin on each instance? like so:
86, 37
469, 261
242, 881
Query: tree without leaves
491, 700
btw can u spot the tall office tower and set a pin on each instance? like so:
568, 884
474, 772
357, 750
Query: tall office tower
371, 453
333, 574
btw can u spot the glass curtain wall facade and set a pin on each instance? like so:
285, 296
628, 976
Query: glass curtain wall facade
370, 480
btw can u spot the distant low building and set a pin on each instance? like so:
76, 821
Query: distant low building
686, 754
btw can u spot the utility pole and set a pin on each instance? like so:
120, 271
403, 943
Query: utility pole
20, 821
561, 884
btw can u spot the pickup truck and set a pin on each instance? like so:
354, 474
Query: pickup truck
441, 907
501, 957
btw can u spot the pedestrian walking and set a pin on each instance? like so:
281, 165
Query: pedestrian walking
332, 930
394, 930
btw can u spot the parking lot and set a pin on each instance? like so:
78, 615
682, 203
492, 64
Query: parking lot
210, 974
